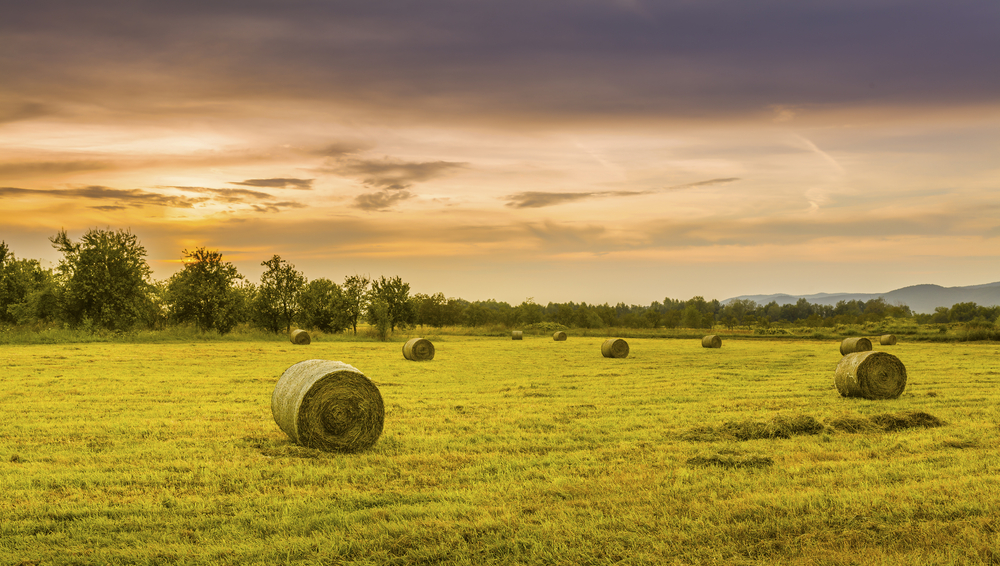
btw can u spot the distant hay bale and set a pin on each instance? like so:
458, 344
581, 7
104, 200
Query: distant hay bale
559, 336
418, 350
329, 406
517, 335
858, 344
887, 340
299, 337
871, 375
614, 348
711, 341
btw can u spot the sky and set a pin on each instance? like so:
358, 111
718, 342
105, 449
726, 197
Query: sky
597, 151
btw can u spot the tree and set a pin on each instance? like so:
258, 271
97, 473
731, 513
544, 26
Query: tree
396, 295
277, 300
529, 311
355, 294
324, 306
23, 286
105, 278
379, 317
205, 292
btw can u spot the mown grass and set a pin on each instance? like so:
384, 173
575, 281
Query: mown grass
500, 452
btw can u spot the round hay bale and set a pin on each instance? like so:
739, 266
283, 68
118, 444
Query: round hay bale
614, 348
517, 335
299, 337
418, 350
559, 336
711, 341
858, 344
329, 406
887, 340
871, 375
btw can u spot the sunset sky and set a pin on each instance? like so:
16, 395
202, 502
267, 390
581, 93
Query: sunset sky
568, 150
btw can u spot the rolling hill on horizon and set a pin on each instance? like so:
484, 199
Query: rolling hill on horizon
920, 298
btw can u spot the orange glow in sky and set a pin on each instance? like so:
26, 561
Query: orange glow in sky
598, 152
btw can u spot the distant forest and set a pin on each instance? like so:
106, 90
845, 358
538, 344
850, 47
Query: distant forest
103, 282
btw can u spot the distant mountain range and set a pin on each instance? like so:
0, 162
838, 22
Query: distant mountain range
920, 298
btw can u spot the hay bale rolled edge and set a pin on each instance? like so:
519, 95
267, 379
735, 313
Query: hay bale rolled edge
851, 345
517, 335
887, 340
614, 348
559, 336
870, 375
299, 337
711, 341
418, 350
329, 406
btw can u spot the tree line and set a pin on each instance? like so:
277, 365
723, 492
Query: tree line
104, 282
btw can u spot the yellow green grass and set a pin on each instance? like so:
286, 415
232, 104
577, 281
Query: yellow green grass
498, 452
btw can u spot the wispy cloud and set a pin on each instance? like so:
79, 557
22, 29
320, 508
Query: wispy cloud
277, 183
121, 197
381, 200
393, 174
36, 168
722, 181
540, 199
137, 198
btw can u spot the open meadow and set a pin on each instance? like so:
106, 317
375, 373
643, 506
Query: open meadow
501, 452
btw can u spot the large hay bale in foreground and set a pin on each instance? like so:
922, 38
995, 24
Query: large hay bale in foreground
418, 349
614, 348
328, 405
517, 335
871, 375
711, 341
299, 337
858, 344
887, 340
559, 336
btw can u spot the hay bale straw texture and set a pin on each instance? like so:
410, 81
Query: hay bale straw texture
614, 348
559, 336
887, 340
299, 337
871, 375
418, 350
711, 341
329, 406
517, 335
851, 345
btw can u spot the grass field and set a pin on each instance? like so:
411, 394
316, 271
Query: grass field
500, 452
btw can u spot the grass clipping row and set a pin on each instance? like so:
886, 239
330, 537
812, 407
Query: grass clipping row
328, 405
871, 375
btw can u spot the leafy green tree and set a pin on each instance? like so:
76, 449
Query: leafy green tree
530, 312
379, 317
355, 295
396, 295
204, 292
22, 282
105, 278
277, 301
324, 306
476, 314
